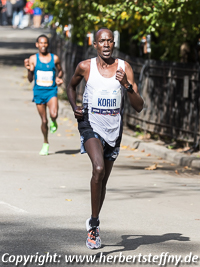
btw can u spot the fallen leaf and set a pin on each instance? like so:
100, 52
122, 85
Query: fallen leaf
73, 155
133, 149
143, 150
70, 134
137, 158
65, 119
160, 158
148, 155
123, 147
176, 172
179, 150
67, 199
132, 156
68, 130
172, 164
141, 137
187, 168
148, 136
152, 167
76, 124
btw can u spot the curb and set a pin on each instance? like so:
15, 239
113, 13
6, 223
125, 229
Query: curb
175, 157
150, 147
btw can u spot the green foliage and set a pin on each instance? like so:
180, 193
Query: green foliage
170, 22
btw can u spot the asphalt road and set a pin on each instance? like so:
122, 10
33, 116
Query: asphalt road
44, 201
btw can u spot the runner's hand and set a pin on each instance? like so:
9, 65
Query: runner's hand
59, 81
78, 112
28, 65
121, 77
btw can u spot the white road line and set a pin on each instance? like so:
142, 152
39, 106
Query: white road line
13, 207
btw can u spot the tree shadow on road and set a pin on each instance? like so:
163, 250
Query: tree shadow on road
28, 236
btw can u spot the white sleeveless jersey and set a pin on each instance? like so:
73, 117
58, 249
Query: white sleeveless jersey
103, 103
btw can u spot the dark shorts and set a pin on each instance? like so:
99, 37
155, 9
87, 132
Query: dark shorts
43, 96
110, 153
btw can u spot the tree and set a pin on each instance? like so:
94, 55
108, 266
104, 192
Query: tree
170, 22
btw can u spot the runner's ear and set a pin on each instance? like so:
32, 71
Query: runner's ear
36, 44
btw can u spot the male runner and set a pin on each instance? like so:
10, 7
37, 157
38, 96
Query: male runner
42, 67
100, 118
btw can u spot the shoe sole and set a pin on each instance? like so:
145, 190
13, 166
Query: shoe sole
93, 246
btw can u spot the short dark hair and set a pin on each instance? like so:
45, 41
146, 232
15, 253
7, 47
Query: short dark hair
103, 28
40, 36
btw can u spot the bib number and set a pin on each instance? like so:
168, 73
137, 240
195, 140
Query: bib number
44, 78
106, 103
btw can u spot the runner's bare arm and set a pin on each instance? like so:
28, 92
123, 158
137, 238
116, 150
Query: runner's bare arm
80, 73
29, 64
59, 80
126, 78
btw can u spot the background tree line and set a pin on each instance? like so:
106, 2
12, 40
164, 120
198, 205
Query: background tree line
172, 23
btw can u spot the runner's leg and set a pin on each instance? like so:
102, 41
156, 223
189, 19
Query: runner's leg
94, 149
53, 108
43, 114
108, 168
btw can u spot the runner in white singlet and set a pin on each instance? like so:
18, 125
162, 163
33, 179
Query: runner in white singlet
100, 119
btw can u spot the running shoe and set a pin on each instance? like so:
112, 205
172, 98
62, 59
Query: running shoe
45, 150
93, 240
53, 126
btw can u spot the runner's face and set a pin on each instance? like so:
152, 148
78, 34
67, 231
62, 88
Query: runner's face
42, 45
104, 44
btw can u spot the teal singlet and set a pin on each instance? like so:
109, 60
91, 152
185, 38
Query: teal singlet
44, 75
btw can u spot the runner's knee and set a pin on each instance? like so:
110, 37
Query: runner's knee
98, 172
54, 114
44, 121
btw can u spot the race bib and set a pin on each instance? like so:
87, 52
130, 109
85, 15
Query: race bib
44, 78
106, 103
